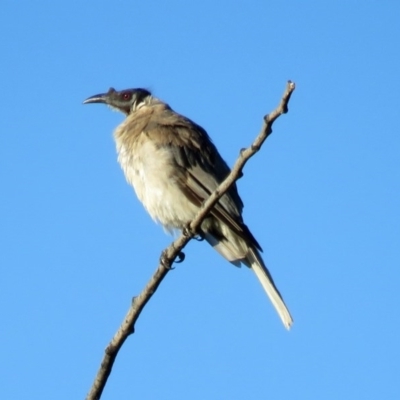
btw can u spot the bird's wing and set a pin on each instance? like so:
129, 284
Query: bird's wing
202, 168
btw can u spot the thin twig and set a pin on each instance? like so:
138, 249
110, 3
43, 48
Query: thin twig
169, 255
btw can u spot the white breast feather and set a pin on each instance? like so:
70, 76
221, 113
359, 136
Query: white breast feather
151, 173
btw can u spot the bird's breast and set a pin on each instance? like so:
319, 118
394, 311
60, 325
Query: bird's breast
155, 177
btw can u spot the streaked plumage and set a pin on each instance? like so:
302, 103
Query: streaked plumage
173, 167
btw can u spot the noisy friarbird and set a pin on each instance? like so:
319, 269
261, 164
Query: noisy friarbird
174, 167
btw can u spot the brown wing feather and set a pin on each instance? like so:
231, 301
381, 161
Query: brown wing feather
202, 167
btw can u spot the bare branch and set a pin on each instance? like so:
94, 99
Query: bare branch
170, 254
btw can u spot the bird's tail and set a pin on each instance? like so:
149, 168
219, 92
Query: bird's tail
237, 251
256, 263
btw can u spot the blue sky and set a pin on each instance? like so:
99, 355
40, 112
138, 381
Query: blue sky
322, 198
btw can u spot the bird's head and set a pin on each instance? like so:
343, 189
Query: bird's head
125, 101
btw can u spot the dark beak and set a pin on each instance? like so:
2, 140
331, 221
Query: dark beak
97, 98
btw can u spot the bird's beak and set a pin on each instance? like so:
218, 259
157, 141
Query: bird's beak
97, 98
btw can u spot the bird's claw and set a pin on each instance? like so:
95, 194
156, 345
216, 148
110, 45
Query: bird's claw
186, 231
180, 257
165, 261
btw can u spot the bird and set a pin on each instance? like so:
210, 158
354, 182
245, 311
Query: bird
173, 166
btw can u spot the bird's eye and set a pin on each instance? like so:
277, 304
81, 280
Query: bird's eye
126, 96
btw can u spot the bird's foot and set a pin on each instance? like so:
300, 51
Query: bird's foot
196, 235
180, 257
164, 260
187, 231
